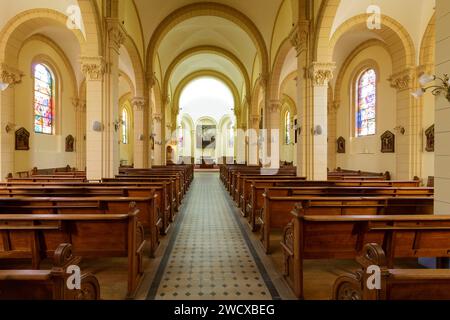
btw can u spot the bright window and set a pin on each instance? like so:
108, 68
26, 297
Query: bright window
125, 126
43, 100
287, 127
366, 104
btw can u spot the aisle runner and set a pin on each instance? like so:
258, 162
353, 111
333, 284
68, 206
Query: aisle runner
210, 257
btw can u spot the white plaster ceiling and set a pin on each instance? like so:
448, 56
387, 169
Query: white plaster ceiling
261, 12
290, 64
414, 15
206, 30
9, 9
206, 61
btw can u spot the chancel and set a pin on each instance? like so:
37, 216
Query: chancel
224, 150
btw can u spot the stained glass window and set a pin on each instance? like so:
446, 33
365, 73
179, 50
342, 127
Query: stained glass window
366, 100
125, 126
43, 100
287, 127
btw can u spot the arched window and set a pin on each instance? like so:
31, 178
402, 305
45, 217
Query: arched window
43, 100
366, 103
125, 126
287, 127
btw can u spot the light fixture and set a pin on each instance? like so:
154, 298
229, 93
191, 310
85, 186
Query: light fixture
3, 86
436, 90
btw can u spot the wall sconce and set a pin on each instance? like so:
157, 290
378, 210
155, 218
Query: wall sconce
3, 86
97, 126
317, 130
400, 129
9, 127
436, 90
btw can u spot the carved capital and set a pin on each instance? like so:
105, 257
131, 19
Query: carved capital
116, 33
10, 76
299, 36
333, 106
264, 80
79, 104
274, 106
93, 68
403, 80
138, 103
166, 100
151, 80
321, 73
157, 117
248, 99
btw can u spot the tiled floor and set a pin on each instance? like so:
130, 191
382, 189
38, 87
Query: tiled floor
210, 258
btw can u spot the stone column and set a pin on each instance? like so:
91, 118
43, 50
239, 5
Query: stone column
274, 138
252, 133
442, 113
320, 74
140, 138
157, 156
11, 77
240, 144
80, 132
408, 143
332, 138
299, 37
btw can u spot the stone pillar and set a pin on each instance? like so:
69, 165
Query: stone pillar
102, 97
320, 73
442, 113
240, 144
140, 138
80, 133
11, 77
332, 138
274, 138
193, 142
409, 143
252, 133
157, 156
299, 37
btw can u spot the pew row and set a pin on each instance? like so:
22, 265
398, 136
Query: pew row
343, 237
35, 237
396, 284
48, 284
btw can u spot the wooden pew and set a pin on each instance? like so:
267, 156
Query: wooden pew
162, 202
145, 209
48, 179
48, 284
37, 236
396, 284
256, 200
343, 237
277, 210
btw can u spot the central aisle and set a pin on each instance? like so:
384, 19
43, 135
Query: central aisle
210, 256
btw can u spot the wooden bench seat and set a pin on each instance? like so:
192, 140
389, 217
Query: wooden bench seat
396, 284
37, 236
343, 237
255, 200
48, 284
162, 202
277, 210
146, 209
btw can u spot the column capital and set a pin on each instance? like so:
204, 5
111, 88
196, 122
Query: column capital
93, 68
138, 103
165, 99
264, 80
157, 117
79, 104
9, 75
248, 99
274, 106
116, 33
333, 106
255, 120
299, 36
321, 73
403, 80
151, 79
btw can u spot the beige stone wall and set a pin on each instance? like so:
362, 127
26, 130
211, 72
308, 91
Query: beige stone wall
363, 153
46, 151
442, 130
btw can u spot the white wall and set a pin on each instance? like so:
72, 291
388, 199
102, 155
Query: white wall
363, 153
